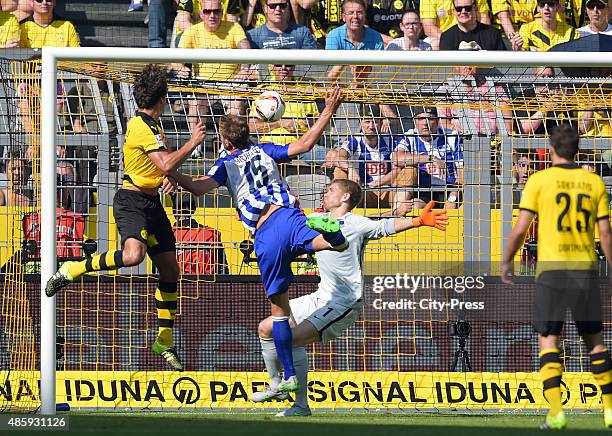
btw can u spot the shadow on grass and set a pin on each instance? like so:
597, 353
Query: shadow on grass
327, 424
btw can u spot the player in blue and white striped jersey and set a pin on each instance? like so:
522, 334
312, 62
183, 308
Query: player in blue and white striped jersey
268, 210
336, 305
437, 152
367, 159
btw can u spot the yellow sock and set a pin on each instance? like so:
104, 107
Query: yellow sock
601, 366
165, 301
551, 371
110, 260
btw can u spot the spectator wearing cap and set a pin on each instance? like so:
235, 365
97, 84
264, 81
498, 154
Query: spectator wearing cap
367, 160
438, 154
546, 31
468, 29
278, 31
413, 30
353, 35
598, 13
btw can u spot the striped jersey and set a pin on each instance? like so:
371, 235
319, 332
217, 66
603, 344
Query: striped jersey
253, 179
446, 145
373, 162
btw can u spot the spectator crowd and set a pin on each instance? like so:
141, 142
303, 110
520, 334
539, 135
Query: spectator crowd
394, 164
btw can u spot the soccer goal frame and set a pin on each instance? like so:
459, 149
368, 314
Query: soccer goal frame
52, 55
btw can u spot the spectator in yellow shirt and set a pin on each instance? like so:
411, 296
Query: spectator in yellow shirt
545, 32
9, 30
510, 15
213, 32
43, 29
188, 13
438, 16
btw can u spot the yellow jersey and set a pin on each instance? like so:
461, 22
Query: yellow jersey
443, 12
194, 8
59, 33
568, 201
525, 11
144, 135
535, 38
601, 127
9, 28
228, 35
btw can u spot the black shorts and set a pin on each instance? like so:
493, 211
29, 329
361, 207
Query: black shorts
557, 291
141, 216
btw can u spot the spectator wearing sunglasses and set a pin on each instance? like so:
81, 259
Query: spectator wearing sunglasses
278, 31
546, 31
214, 33
598, 13
44, 29
438, 16
189, 13
468, 29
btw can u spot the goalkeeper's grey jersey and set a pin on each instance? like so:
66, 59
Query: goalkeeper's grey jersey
341, 277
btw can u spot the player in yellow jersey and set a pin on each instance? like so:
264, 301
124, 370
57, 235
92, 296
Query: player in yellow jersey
141, 219
569, 202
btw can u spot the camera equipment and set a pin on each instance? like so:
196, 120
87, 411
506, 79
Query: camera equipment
461, 329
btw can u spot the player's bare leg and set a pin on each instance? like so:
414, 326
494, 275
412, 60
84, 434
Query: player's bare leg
165, 301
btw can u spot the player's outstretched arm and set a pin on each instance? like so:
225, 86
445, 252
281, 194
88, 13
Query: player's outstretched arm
167, 162
429, 218
312, 136
197, 186
515, 240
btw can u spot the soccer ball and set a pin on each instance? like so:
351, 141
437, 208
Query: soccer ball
269, 106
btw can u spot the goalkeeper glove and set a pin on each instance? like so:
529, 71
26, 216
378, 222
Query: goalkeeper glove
431, 218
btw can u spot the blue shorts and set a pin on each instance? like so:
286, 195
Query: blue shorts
283, 237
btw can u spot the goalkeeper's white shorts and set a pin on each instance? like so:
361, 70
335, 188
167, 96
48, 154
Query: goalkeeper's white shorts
328, 317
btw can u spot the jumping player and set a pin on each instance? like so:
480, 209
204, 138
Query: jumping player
336, 305
141, 219
269, 211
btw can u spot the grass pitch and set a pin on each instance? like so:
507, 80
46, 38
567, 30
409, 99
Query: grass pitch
320, 424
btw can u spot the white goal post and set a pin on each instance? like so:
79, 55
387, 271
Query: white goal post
51, 56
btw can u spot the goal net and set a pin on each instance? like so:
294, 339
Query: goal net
481, 120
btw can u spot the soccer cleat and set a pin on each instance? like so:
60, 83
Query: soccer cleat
135, 6
59, 280
295, 411
323, 224
268, 394
289, 385
608, 418
557, 422
168, 353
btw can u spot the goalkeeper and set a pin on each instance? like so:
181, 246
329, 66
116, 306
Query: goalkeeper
141, 219
335, 306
